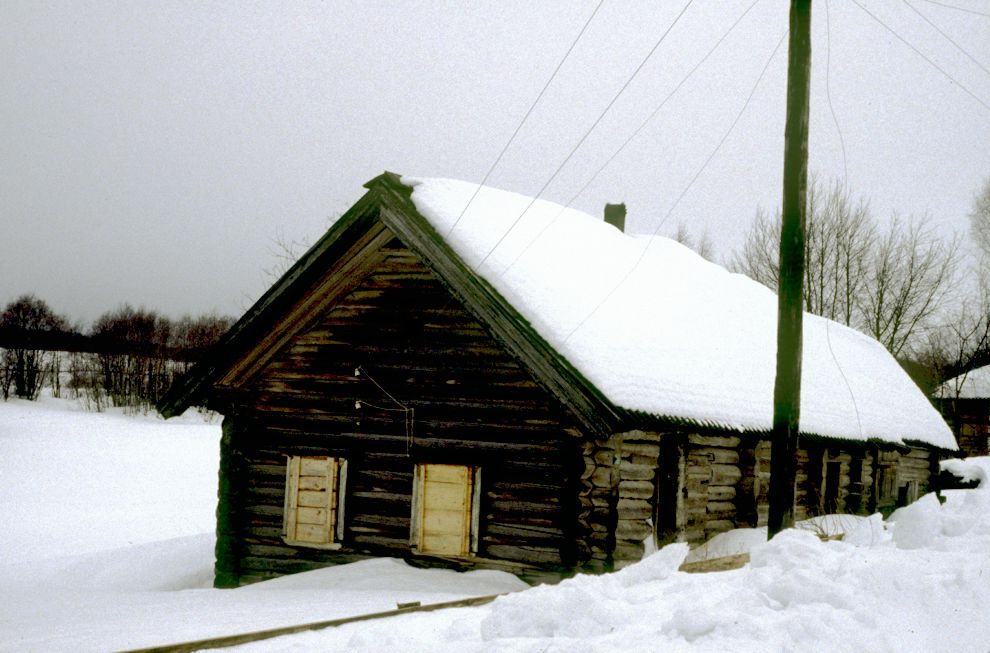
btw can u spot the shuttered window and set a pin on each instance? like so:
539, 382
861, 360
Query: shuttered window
314, 502
445, 509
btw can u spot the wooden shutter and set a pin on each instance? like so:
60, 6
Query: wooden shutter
443, 509
311, 500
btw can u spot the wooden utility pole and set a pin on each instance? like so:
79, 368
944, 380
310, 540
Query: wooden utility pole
790, 299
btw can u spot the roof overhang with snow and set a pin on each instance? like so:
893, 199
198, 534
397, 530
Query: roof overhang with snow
974, 384
617, 326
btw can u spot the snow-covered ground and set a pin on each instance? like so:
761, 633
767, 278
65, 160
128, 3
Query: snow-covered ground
107, 544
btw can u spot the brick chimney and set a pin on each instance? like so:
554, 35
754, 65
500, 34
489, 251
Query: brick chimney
615, 215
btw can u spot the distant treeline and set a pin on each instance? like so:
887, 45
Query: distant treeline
129, 357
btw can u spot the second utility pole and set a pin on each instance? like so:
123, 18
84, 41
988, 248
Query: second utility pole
790, 298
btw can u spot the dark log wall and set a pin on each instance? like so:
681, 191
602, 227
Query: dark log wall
673, 486
970, 422
431, 386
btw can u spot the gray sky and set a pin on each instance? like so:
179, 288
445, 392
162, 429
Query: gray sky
151, 152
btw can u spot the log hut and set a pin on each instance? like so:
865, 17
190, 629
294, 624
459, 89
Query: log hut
463, 377
965, 403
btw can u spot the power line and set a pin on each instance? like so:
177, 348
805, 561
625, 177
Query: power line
684, 192
947, 37
633, 135
845, 182
922, 55
948, 6
586, 134
526, 117
828, 92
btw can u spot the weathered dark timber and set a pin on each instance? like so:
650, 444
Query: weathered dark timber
381, 348
473, 402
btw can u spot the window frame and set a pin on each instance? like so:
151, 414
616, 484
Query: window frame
474, 516
335, 506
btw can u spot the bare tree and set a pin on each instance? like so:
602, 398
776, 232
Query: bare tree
703, 245
890, 285
979, 218
959, 344
910, 273
191, 337
759, 258
27, 323
134, 358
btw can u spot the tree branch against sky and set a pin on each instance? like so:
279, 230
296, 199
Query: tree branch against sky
979, 219
891, 283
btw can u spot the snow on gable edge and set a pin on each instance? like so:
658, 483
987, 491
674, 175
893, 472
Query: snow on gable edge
680, 338
974, 384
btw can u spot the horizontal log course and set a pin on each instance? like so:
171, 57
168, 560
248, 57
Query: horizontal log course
717, 455
262, 510
528, 554
630, 489
721, 492
721, 508
632, 529
260, 533
650, 450
728, 442
516, 530
281, 566
632, 472
629, 551
634, 509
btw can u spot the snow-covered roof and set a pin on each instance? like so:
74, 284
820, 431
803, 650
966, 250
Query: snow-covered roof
658, 329
974, 384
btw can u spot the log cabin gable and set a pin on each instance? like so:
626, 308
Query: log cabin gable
336, 265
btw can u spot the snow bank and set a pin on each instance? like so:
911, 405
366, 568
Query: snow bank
660, 330
870, 591
108, 540
969, 469
919, 585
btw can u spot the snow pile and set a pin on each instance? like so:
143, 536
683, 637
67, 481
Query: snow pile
920, 587
660, 330
969, 469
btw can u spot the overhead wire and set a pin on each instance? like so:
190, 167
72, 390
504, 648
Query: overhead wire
529, 111
630, 138
958, 8
684, 192
563, 163
947, 37
921, 54
845, 181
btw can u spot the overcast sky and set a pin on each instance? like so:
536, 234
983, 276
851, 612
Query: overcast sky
152, 152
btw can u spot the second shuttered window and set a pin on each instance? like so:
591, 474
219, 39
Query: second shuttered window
445, 509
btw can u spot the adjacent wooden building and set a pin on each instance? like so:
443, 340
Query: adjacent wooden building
384, 398
965, 403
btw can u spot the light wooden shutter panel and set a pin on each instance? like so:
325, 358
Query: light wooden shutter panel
311, 500
445, 509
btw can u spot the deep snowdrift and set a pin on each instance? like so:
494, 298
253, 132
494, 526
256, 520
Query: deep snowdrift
135, 569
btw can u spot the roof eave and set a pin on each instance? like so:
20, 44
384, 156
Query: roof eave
191, 389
